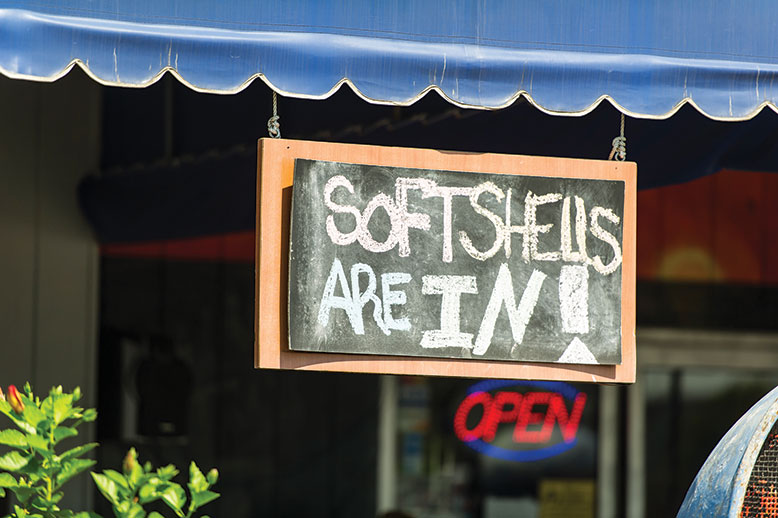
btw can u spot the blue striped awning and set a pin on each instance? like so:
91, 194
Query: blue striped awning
565, 57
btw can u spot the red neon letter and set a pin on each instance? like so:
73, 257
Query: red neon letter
527, 417
498, 414
568, 423
460, 419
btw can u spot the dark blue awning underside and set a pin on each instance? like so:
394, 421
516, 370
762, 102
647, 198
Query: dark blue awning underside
648, 58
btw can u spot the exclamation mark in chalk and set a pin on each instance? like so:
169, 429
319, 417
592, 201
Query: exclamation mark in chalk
574, 298
574, 307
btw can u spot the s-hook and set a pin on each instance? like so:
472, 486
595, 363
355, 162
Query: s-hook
273, 126
619, 150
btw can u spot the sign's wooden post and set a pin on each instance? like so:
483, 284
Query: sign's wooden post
414, 261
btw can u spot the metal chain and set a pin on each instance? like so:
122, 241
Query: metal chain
619, 150
273, 126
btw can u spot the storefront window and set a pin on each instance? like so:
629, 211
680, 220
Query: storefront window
688, 410
176, 381
469, 448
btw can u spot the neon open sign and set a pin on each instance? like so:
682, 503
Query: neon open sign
534, 415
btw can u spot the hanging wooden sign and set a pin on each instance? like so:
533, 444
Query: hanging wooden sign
410, 261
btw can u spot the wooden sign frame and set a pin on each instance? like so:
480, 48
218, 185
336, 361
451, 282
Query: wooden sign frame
274, 195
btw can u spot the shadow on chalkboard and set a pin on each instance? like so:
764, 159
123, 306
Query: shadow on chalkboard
283, 296
449, 152
447, 366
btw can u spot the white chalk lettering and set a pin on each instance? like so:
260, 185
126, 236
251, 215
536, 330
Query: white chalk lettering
573, 246
518, 316
568, 255
394, 298
365, 238
407, 220
354, 299
338, 237
345, 302
499, 231
509, 229
574, 298
447, 193
577, 352
361, 298
606, 236
451, 287
532, 229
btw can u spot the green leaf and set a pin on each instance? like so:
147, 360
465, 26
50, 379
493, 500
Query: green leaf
155, 514
78, 451
117, 477
135, 474
24, 493
197, 480
76, 393
175, 497
148, 493
135, 511
63, 432
167, 472
13, 438
62, 406
32, 414
90, 414
7, 480
38, 442
122, 508
47, 405
107, 487
33, 468
72, 468
24, 426
75, 412
13, 461
37, 504
212, 476
57, 405
86, 514
204, 497
5, 408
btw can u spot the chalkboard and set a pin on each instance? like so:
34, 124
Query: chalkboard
450, 264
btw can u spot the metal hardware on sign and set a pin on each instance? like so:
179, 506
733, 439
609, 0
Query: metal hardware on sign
273, 126
619, 150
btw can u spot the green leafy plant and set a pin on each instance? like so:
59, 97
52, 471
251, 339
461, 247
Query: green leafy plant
35, 468
139, 485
